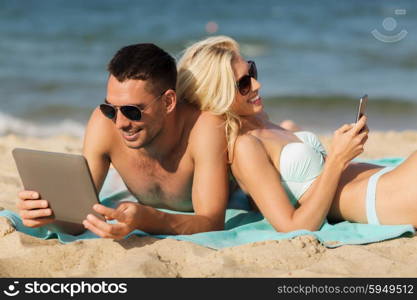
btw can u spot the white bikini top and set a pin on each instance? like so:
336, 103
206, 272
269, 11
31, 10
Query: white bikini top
300, 164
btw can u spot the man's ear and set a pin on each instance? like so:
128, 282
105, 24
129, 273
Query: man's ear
170, 100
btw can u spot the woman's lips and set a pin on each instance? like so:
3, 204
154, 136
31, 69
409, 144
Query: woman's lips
256, 101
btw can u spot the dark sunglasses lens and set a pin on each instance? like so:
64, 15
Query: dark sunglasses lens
108, 111
244, 85
252, 70
131, 112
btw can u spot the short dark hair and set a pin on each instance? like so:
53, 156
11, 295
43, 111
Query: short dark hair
145, 62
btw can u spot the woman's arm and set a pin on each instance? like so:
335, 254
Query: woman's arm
258, 176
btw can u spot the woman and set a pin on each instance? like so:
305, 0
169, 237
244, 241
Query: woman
289, 175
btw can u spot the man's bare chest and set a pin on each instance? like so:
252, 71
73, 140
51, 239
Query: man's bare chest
159, 184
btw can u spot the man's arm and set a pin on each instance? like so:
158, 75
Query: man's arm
209, 192
97, 142
36, 212
210, 188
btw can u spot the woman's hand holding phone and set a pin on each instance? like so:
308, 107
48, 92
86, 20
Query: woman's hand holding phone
348, 142
361, 110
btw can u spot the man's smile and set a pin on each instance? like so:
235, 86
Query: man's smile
131, 135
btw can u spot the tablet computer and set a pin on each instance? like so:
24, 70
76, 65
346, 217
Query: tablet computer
64, 180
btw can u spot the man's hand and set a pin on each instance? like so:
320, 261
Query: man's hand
126, 214
33, 210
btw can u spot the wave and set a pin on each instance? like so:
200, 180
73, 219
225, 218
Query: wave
341, 101
12, 125
305, 109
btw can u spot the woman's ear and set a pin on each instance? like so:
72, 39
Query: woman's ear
170, 100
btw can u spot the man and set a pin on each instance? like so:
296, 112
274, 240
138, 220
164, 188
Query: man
168, 153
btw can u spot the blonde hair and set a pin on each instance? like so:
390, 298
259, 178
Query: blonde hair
206, 79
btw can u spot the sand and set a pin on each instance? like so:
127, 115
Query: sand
25, 256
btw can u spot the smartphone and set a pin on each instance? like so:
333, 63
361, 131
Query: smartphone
362, 106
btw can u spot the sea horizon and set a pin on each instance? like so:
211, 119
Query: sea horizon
315, 58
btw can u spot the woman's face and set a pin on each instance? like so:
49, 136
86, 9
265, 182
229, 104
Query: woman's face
251, 103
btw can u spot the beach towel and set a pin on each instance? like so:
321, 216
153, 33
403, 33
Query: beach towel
242, 226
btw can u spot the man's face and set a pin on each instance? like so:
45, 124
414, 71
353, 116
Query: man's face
136, 134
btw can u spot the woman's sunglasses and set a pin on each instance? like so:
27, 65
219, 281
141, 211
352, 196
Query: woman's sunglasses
244, 84
132, 112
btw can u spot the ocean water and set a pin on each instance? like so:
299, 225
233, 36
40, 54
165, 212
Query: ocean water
315, 58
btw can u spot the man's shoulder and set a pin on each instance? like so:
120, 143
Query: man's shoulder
207, 134
208, 122
99, 123
100, 132
198, 122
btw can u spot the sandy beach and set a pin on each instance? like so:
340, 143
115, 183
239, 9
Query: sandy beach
25, 256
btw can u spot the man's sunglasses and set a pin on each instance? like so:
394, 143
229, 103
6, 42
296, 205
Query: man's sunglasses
132, 112
244, 84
